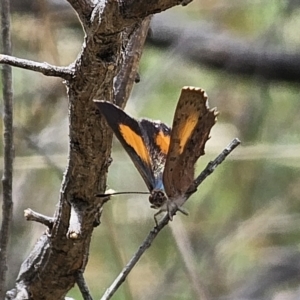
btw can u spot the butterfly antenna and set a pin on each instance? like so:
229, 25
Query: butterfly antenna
121, 193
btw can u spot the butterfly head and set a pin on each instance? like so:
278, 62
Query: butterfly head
158, 199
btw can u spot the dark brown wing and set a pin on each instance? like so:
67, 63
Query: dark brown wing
129, 133
192, 123
146, 142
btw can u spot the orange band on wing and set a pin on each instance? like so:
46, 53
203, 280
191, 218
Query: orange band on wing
136, 142
163, 142
186, 130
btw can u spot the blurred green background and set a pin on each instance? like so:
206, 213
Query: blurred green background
241, 239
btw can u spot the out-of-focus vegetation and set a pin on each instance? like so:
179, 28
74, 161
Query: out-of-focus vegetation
243, 231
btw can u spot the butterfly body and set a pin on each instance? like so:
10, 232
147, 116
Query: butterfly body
165, 157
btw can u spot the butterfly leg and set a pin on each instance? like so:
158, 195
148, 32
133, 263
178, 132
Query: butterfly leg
173, 207
170, 211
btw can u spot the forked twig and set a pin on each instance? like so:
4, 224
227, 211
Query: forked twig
212, 165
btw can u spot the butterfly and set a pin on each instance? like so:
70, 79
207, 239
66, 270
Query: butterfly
165, 157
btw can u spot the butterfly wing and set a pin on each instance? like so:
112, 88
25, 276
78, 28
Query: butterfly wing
132, 137
157, 136
192, 123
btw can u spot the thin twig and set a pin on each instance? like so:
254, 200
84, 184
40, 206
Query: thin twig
31, 215
83, 286
44, 68
165, 220
7, 206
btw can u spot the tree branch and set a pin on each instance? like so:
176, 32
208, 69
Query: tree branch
31, 215
141, 9
165, 220
44, 68
215, 49
7, 177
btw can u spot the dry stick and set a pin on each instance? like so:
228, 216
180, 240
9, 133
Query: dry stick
31, 215
154, 232
7, 206
44, 68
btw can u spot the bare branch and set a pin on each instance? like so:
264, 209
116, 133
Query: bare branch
165, 220
44, 68
7, 178
31, 215
141, 9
